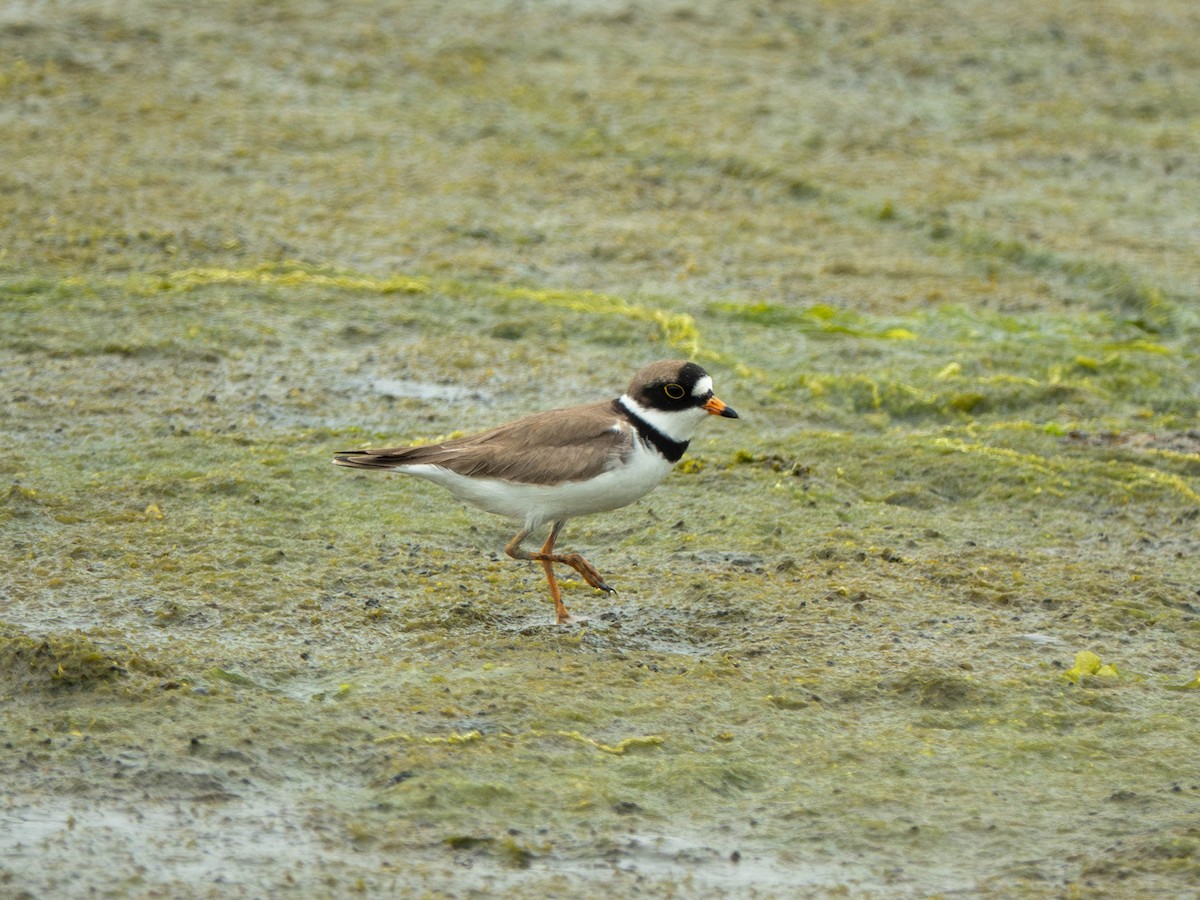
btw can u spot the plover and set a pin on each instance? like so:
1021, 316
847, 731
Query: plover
556, 465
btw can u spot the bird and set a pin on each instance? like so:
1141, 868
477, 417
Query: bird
553, 466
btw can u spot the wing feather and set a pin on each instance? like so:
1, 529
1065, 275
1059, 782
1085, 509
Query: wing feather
571, 444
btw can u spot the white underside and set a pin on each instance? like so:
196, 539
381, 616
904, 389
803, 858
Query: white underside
540, 503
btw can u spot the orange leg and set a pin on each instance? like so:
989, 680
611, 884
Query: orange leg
547, 557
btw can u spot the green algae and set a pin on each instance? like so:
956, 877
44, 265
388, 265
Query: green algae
63, 660
819, 675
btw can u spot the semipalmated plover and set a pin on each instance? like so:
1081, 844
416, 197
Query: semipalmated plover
553, 466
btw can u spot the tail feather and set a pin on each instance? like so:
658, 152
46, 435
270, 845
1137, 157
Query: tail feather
380, 459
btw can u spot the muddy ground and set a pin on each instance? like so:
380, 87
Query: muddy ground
924, 621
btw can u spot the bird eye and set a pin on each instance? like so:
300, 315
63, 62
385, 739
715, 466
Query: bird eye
674, 391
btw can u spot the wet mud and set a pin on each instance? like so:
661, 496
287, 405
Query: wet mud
924, 621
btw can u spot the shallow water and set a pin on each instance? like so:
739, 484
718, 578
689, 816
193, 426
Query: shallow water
226, 846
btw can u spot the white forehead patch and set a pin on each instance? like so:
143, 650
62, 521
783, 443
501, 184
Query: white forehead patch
703, 387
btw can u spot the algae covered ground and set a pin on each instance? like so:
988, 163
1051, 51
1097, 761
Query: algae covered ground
924, 621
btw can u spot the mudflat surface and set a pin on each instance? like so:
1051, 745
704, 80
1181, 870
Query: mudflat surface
924, 621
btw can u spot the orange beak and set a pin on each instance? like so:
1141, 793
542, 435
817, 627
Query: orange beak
716, 407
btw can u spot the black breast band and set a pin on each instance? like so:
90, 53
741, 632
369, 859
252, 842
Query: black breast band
671, 450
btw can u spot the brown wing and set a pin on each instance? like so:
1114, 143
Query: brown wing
562, 445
